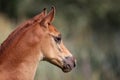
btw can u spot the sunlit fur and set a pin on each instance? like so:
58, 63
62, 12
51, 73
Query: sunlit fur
29, 43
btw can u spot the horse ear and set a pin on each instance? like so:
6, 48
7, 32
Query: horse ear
44, 11
38, 17
49, 18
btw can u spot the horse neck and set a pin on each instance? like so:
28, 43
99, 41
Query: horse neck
22, 56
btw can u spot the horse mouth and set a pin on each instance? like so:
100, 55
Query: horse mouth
67, 68
69, 64
66, 65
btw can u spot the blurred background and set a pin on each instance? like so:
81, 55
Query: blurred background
90, 30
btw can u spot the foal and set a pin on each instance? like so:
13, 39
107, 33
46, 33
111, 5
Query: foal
33, 41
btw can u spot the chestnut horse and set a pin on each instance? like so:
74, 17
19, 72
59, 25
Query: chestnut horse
33, 41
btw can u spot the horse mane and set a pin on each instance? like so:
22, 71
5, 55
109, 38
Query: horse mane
18, 30
13, 35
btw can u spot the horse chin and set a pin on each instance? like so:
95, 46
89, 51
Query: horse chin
66, 68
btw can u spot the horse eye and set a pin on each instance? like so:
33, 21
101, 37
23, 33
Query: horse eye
57, 39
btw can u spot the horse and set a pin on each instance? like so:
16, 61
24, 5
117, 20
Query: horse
33, 41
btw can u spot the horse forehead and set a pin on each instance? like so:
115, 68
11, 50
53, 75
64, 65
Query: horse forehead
53, 30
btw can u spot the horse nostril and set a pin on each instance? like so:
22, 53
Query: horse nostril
67, 57
74, 64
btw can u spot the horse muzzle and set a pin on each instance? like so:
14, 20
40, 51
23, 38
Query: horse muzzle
68, 64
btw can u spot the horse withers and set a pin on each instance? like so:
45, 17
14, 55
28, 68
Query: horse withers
33, 41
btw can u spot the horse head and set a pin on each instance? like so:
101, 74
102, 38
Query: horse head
52, 47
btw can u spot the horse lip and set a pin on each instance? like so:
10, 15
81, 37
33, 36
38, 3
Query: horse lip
66, 64
67, 68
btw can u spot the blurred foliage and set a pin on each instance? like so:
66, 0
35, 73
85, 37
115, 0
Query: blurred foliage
90, 29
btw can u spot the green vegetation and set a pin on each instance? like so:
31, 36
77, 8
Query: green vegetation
90, 29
